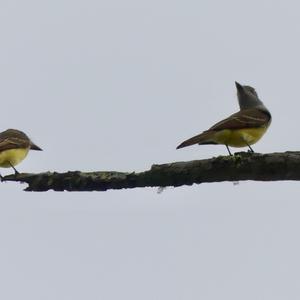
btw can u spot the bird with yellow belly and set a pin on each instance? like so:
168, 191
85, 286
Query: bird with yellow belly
14, 147
241, 129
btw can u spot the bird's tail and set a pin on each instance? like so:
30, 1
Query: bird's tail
203, 138
35, 147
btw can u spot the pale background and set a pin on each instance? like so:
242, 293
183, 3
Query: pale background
116, 85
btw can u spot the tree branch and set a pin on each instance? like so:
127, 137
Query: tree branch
241, 166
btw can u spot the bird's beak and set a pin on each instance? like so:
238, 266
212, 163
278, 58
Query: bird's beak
239, 87
35, 147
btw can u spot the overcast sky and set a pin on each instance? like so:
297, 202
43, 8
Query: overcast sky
117, 85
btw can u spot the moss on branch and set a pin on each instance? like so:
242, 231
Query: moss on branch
241, 166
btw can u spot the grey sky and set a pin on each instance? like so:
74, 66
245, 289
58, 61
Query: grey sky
116, 85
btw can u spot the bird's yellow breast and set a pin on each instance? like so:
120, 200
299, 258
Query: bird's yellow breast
239, 137
12, 157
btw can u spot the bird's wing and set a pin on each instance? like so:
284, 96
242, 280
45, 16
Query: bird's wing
12, 143
247, 118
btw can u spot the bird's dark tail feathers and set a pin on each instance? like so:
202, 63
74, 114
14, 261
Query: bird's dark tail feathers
35, 147
203, 138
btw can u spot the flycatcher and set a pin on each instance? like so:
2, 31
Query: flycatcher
14, 147
241, 129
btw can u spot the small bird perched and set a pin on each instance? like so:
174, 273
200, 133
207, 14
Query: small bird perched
14, 147
241, 129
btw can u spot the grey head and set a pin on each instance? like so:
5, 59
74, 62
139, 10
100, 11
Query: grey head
248, 97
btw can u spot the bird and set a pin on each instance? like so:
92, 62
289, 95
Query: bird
241, 129
14, 147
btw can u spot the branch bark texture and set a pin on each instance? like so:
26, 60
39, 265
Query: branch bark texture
241, 166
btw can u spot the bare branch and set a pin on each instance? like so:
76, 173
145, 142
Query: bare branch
241, 166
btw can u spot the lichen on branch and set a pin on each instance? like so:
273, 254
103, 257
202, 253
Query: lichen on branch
241, 166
